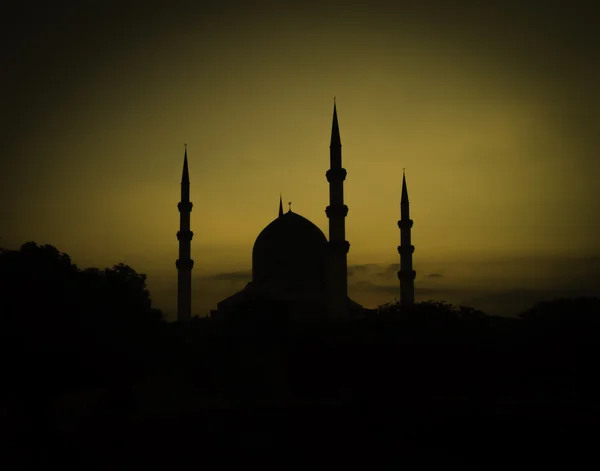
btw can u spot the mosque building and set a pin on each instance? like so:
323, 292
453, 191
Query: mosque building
296, 271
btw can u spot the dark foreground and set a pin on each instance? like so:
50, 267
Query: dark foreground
450, 434
352, 395
92, 378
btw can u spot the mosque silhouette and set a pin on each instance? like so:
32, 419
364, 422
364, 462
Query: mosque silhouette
295, 269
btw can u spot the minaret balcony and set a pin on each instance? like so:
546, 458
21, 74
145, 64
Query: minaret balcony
336, 211
336, 175
185, 206
337, 246
405, 224
407, 275
406, 249
183, 264
184, 235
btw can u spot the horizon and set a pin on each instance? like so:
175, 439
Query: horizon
502, 286
491, 111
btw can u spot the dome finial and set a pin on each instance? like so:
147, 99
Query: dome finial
289, 207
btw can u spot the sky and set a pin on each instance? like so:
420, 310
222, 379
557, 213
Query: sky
491, 107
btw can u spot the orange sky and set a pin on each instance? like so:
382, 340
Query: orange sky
491, 111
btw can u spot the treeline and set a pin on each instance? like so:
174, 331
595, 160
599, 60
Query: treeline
82, 328
92, 334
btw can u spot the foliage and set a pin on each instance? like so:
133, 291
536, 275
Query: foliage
430, 311
583, 310
44, 294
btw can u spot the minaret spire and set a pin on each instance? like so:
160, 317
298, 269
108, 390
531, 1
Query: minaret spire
184, 263
280, 206
335, 134
404, 196
185, 178
336, 212
406, 275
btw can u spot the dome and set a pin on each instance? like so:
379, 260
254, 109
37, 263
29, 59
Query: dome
291, 250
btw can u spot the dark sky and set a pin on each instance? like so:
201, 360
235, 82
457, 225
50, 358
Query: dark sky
491, 107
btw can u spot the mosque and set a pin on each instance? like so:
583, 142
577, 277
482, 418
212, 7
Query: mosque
296, 271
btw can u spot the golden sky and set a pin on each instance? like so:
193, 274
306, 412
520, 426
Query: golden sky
492, 111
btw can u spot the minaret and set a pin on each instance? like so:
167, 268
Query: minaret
406, 275
280, 206
336, 212
184, 236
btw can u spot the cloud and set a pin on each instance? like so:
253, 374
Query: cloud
361, 269
388, 271
373, 288
503, 286
367, 286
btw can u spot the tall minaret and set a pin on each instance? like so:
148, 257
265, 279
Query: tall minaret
336, 212
406, 275
280, 206
184, 236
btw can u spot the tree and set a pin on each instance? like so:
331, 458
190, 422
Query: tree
44, 293
583, 310
67, 328
433, 311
